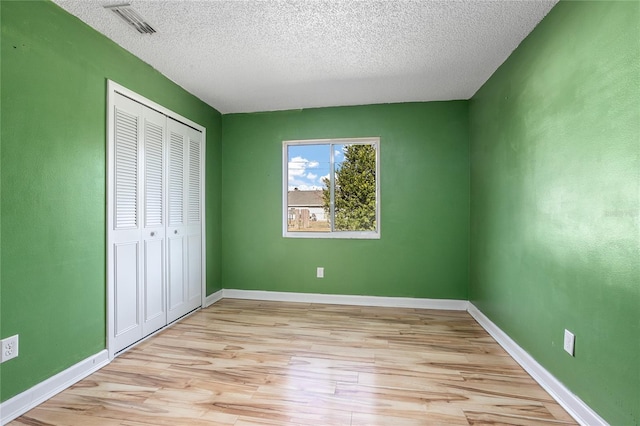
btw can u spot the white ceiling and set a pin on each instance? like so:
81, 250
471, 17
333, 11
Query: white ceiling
245, 56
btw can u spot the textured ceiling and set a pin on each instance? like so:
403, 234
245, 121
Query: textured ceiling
244, 56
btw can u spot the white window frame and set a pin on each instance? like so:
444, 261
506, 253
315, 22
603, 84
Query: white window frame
375, 141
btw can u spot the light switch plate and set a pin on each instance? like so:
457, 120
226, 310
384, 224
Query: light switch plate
569, 342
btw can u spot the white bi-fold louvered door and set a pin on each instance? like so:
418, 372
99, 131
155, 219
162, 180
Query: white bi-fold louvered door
184, 224
137, 221
154, 221
153, 159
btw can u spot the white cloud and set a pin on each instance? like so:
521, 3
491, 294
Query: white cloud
297, 166
323, 177
305, 187
299, 177
337, 153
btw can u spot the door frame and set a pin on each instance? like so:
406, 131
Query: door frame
113, 89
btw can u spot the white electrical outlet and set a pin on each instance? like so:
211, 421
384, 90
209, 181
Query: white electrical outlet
9, 348
569, 342
320, 273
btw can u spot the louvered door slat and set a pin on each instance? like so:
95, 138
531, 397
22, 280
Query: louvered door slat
126, 171
153, 174
176, 179
194, 181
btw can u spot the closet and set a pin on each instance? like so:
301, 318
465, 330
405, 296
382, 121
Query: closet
155, 271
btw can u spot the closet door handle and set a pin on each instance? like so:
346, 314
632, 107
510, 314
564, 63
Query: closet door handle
175, 232
153, 234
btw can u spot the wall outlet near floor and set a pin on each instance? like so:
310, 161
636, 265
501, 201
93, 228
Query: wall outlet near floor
569, 342
9, 348
320, 272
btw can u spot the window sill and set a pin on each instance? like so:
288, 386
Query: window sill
334, 235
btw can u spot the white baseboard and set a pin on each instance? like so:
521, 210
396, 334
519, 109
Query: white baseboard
340, 299
213, 298
580, 411
25, 401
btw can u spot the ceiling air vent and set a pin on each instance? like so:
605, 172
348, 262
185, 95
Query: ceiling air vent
131, 17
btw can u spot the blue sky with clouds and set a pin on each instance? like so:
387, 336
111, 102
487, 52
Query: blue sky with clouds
308, 164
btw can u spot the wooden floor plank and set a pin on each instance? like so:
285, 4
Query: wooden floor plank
256, 363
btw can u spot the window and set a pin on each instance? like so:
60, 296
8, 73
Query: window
331, 188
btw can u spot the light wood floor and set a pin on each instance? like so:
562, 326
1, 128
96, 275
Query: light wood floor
269, 363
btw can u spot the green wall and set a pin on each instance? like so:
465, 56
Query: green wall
555, 193
53, 286
423, 249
